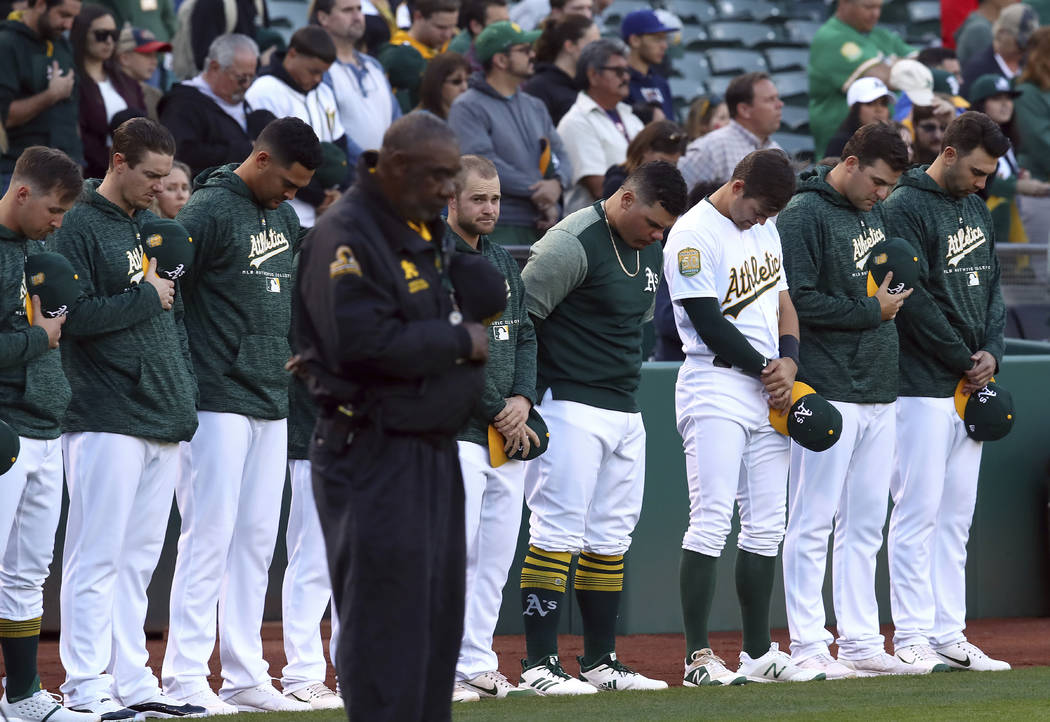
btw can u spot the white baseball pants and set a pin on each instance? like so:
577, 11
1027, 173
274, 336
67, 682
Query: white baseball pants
585, 492
30, 505
848, 484
306, 590
493, 516
934, 494
120, 491
230, 501
732, 453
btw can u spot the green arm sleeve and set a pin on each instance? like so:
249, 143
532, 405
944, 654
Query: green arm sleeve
21, 347
721, 336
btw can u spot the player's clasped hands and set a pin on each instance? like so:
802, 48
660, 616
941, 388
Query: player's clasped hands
981, 373
890, 302
165, 288
779, 378
511, 424
53, 326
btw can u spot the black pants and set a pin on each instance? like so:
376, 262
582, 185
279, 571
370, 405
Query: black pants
391, 510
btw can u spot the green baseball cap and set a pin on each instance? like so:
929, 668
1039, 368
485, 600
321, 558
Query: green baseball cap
50, 276
539, 426
332, 170
988, 85
169, 243
9, 446
811, 421
496, 38
987, 413
897, 255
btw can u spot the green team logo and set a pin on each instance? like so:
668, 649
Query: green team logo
689, 261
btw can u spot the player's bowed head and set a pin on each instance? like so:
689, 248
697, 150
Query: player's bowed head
647, 204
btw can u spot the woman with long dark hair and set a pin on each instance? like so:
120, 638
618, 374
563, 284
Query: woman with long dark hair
444, 80
557, 50
103, 89
869, 102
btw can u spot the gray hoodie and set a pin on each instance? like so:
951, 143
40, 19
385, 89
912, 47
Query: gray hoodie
509, 132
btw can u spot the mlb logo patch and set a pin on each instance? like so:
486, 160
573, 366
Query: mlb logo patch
972, 279
273, 285
501, 333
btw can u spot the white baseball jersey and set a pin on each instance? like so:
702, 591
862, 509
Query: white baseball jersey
707, 256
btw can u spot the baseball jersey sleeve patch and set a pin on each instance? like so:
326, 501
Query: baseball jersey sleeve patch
344, 263
689, 261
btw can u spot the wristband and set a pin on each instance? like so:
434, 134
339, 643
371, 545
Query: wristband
789, 347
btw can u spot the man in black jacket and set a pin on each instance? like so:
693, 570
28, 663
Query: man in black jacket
390, 361
207, 114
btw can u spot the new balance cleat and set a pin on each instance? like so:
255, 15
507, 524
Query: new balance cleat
922, 658
704, 668
493, 685
610, 674
964, 655
548, 678
775, 666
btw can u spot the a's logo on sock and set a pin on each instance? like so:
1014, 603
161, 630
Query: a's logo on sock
533, 603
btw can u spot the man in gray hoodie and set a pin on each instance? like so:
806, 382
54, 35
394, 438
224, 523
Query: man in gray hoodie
513, 130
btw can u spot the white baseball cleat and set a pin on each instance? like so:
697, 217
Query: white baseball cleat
265, 698
462, 694
964, 655
317, 695
704, 668
881, 664
775, 666
493, 685
610, 674
210, 701
42, 706
548, 678
827, 664
922, 658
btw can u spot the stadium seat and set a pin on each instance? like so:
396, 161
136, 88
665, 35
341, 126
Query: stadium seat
685, 90
1013, 328
746, 10
613, 14
739, 33
797, 145
694, 12
787, 58
693, 65
793, 87
800, 32
1033, 320
735, 61
795, 119
694, 37
718, 83
815, 11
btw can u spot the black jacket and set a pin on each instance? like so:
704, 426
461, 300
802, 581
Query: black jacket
981, 64
205, 136
372, 319
556, 89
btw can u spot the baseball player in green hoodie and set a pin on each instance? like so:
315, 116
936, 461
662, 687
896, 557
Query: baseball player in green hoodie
124, 352
951, 328
238, 316
33, 397
493, 493
848, 353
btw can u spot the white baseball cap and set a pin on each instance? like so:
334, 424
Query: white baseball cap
914, 79
866, 90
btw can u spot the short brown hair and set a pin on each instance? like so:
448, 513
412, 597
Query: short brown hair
484, 167
767, 176
135, 137
741, 89
426, 8
48, 170
878, 141
973, 129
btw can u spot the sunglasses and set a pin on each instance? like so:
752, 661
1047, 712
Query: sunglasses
102, 36
932, 127
621, 72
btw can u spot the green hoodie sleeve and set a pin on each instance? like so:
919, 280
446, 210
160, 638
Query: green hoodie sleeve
179, 311
803, 258
21, 347
525, 354
920, 317
92, 314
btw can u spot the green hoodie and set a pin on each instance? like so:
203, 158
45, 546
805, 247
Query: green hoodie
239, 296
126, 358
511, 368
34, 392
847, 352
957, 309
25, 62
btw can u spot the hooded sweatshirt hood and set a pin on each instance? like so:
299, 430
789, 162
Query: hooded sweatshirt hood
847, 352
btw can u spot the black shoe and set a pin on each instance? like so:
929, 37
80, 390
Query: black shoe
108, 709
166, 707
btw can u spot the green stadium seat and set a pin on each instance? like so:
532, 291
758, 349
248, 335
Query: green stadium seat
787, 58
747, 10
797, 145
794, 119
693, 65
800, 32
734, 61
733, 33
793, 86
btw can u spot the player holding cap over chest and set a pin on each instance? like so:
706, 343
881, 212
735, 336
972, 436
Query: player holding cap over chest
833, 230
723, 266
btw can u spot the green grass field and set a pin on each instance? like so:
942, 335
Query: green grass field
1017, 695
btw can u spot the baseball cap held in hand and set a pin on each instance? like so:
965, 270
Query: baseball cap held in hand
498, 455
169, 243
480, 290
987, 413
897, 255
50, 276
9, 447
810, 421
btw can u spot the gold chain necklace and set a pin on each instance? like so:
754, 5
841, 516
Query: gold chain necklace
637, 253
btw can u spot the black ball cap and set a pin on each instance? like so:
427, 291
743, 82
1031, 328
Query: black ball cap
50, 276
481, 290
539, 426
333, 166
9, 446
897, 255
167, 241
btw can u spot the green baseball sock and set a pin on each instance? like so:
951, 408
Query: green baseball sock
19, 641
697, 577
754, 589
544, 577
599, 586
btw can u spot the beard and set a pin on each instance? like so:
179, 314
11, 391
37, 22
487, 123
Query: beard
47, 30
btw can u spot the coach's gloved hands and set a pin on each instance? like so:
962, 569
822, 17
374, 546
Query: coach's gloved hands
779, 377
165, 288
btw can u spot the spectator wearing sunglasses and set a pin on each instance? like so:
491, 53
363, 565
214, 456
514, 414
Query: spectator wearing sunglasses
104, 90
